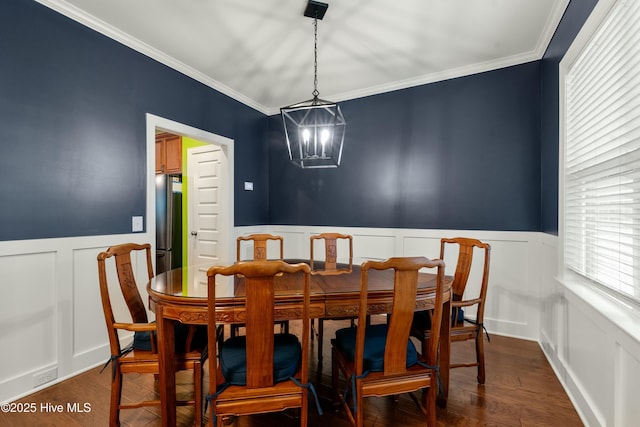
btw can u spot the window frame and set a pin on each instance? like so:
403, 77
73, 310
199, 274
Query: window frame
567, 275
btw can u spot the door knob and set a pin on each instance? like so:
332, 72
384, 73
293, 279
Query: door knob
194, 233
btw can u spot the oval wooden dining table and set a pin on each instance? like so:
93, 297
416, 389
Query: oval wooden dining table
180, 295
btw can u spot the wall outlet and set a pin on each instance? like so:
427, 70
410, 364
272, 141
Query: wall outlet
248, 186
45, 376
137, 223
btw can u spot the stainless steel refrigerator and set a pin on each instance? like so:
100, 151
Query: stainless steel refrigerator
168, 222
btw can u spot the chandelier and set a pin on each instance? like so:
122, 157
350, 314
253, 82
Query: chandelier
315, 128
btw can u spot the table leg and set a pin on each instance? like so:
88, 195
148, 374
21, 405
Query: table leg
445, 351
167, 364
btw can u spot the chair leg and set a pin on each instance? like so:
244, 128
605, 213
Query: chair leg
320, 338
425, 347
359, 415
189, 340
304, 410
480, 356
430, 403
334, 379
197, 391
219, 341
116, 395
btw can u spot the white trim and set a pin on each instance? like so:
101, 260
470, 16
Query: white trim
155, 122
523, 58
521, 272
120, 36
624, 315
572, 281
513, 307
570, 309
598, 13
114, 33
604, 401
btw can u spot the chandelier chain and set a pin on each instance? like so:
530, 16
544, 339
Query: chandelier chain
315, 92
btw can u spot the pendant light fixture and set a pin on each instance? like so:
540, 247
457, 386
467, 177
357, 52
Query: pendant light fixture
315, 128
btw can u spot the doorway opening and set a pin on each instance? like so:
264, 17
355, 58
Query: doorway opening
211, 231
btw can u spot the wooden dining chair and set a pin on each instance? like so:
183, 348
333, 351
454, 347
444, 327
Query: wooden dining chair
381, 360
329, 266
260, 244
466, 299
140, 356
261, 371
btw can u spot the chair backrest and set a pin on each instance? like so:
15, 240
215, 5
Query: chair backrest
331, 253
259, 280
260, 245
402, 309
128, 286
466, 247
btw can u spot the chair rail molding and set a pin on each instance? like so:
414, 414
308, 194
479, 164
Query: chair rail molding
53, 312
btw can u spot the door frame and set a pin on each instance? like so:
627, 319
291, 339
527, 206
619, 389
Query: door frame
154, 123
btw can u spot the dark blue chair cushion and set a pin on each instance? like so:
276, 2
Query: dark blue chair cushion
422, 319
460, 316
142, 339
374, 343
287, 354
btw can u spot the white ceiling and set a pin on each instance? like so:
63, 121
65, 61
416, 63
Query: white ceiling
260, 52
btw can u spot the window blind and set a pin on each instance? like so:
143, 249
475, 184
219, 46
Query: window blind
602, 154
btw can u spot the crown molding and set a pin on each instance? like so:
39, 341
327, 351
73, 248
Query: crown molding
108, 30
541, 47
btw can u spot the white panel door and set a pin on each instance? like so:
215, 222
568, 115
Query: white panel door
207, 235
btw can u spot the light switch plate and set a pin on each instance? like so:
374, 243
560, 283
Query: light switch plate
137, 223
248, 186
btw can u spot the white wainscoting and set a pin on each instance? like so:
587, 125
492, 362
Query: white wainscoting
51, 313
51, 321
513, 302
51, 318
592, 342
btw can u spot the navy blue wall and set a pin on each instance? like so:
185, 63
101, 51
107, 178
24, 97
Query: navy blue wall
458, 154
72, 115
574, 17
477, 152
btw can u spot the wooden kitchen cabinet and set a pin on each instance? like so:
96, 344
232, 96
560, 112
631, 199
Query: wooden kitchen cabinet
168, 153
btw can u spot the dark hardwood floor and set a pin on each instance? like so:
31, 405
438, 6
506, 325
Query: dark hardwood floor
521, 390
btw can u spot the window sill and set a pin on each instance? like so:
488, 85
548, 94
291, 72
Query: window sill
623, 313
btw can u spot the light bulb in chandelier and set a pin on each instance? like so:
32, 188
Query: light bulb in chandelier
306, 135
